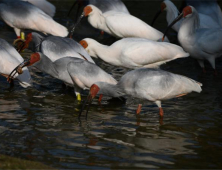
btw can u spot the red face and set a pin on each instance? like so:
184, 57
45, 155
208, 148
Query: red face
34, 58
94, 89
163, 6
186, 11
87, 10
84, 44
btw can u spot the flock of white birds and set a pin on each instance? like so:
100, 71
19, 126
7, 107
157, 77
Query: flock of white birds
139, 47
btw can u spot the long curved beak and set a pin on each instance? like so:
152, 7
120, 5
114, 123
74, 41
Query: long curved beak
18, 69
75, 25
89, 101
174, 22
21, 47
155, 17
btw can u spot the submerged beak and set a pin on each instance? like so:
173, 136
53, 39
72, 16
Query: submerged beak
75, 25
174, 22
155, 17
20, 44
18, 70
92, 93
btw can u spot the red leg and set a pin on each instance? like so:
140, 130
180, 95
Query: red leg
100, 97
102, 32
139, 109
161, 112
204, 70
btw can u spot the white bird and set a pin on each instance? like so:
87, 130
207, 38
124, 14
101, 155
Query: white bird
134, 52
202, 44
103, 5
44, 5
9, 59
172, 13
120, 24
151, 84
54, 47
23, 15
73, 71
207, 7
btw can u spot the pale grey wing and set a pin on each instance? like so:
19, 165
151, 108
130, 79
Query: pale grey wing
24, 15
85, 74
11, 50
44, 5
78, 48
155, 85
61, 67
56, 48
207, 7
110, 5
214, 36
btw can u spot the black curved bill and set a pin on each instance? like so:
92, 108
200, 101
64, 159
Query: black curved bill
75, 25
155, 17
174, 22
15, 70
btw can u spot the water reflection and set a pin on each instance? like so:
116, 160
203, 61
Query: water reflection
41, 123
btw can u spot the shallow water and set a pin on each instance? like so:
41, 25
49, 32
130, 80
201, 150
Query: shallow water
41, 124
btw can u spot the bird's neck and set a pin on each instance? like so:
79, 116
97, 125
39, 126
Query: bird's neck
189, 26
108, 54
110, 89
97, 20
35, 44
47, 66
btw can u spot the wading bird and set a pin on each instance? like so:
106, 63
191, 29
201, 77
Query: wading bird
120, 24
54, 47
202, 44
172, 13
134, 52
151, 84
103, 5
75, 72
23, 15
9, 59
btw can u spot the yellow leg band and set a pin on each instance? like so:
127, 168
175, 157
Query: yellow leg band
78, 97
22, 35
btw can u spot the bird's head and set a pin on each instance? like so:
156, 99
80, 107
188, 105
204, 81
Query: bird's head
187, 12
88, 10
89, 44
20, 46
94, 89
32, 60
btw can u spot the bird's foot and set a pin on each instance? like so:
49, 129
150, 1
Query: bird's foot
139, 109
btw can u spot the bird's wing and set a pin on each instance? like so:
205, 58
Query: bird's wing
207, 7
78, 48
209, 40
11, 50
155, 85
7, 61
107, 5
85, 74
150, 53
23, 15
56, 48
44, 5
125, 25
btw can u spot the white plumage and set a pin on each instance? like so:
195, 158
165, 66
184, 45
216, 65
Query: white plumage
134, 52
